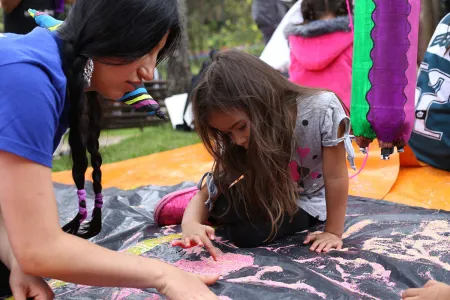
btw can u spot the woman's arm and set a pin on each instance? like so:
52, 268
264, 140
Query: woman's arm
42, 249
6, 255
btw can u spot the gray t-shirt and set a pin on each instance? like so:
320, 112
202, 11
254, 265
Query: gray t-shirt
318, 119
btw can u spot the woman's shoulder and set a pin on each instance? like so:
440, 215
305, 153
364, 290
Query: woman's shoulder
38, 49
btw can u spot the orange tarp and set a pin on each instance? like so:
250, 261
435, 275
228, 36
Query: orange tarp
401, 179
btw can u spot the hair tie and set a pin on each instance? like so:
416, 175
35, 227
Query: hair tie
82, 210
99, 200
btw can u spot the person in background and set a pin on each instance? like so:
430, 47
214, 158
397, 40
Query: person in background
17, 18
322, 47
268, 14
430, 139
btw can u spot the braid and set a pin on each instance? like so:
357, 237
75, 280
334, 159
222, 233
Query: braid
73, 69
95, 225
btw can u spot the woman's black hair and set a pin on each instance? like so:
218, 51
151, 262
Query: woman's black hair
126, 30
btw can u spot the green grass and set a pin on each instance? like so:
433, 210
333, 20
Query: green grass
136, 143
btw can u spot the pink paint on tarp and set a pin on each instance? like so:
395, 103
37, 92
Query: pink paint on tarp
428, 275
273, 249
225, 264
224, 298
417, 246
197, 250
123, 294
222, 241
378, 271
307, 260
168, 229
352, 287
133, 238
356, 228
276, 269
154, 297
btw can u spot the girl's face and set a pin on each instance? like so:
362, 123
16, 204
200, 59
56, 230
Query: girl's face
235, 124
113, 81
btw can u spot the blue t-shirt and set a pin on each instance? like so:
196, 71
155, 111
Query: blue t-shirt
33, 106
430, 139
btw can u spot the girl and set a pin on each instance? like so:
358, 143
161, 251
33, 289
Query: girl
322, 47
43, 80
279, 156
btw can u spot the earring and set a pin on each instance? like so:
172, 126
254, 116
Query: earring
87, 73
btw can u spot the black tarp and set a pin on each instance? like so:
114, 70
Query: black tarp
388, 248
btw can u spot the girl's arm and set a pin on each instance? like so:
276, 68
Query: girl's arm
195, 233
196, 211
41, 248
335, 175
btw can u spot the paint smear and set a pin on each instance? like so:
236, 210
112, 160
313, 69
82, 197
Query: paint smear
134, 237
356, 228
378, 271
197, 250
276, 249
276, 269
125, 293
346, 270
168, 229
421, 245
352, 287
222, 241
307, 260
226, 264
147, 245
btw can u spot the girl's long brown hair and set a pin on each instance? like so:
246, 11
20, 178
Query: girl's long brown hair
237, 81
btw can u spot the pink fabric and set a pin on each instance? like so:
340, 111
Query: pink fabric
170, 209
323, 62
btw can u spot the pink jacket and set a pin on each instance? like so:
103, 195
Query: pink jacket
321, 56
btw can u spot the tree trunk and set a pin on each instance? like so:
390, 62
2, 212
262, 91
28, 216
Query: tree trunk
178, 70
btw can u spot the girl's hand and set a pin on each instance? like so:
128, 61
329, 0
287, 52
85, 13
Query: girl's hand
24, 286
323, 241
180, 285
432, 290
196, 234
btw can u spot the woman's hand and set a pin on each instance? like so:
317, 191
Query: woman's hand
432, 290
180, 285
25, 286
323, 241
196, 234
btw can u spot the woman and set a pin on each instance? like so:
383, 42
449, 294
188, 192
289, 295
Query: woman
105, 47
